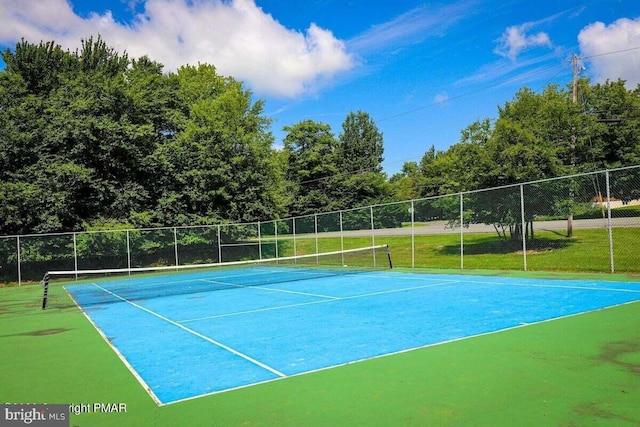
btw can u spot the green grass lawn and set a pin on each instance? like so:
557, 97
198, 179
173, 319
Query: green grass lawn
586, 251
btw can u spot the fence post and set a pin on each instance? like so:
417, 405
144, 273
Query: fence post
295, 249
413, 236
129, 251
609, 226
373, 228
373, 234
461, 232
341, 238
75, 255
275, 228
260, 240
219, 245
524, 224
175, 243
315, 233
19, 261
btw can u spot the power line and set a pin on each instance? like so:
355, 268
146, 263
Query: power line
482, 89
500, 83
514, 78
610, 53
491, 86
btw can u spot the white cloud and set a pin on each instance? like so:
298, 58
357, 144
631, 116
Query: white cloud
411, 27
236, 36
515, 39
608, 48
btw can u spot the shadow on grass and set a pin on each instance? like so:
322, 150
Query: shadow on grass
38, 333
29, 306
497, 246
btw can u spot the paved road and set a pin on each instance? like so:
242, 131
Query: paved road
440, 227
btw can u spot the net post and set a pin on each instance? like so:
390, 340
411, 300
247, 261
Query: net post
45, 295
389, 257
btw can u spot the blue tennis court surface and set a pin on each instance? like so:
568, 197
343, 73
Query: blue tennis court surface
184, 345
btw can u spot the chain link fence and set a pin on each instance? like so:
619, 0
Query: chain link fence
581, 223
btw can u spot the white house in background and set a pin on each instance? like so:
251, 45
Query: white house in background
615, 203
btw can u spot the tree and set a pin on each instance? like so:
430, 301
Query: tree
39, 66
407, 183
360, 179
220, 166
311, 171
611, 119
360, 145
460, 167
93, 137
59, 130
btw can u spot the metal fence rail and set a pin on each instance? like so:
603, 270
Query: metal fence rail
586, 222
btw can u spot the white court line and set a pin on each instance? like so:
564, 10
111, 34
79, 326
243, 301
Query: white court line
391, 291
534, 285
401, 290
263, 288
117, 352
407, 350
515, 283
197, 334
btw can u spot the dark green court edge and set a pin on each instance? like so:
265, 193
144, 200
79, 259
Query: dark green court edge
577, 371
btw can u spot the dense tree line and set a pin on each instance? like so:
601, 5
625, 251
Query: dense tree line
94, 139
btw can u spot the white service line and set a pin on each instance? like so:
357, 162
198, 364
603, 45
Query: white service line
391, 291
536, 285
197, 334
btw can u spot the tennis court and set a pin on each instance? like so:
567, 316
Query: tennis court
227, 329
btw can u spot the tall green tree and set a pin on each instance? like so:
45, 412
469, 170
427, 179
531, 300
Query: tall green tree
361, 180
39, 66
311, 148
221, 165
58, 133
360, 145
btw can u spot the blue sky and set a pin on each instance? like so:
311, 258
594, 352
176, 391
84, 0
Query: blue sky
423, 70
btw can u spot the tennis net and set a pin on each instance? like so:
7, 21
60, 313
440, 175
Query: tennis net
88, 287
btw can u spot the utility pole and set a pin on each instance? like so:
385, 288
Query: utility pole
575, 78
573, 141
